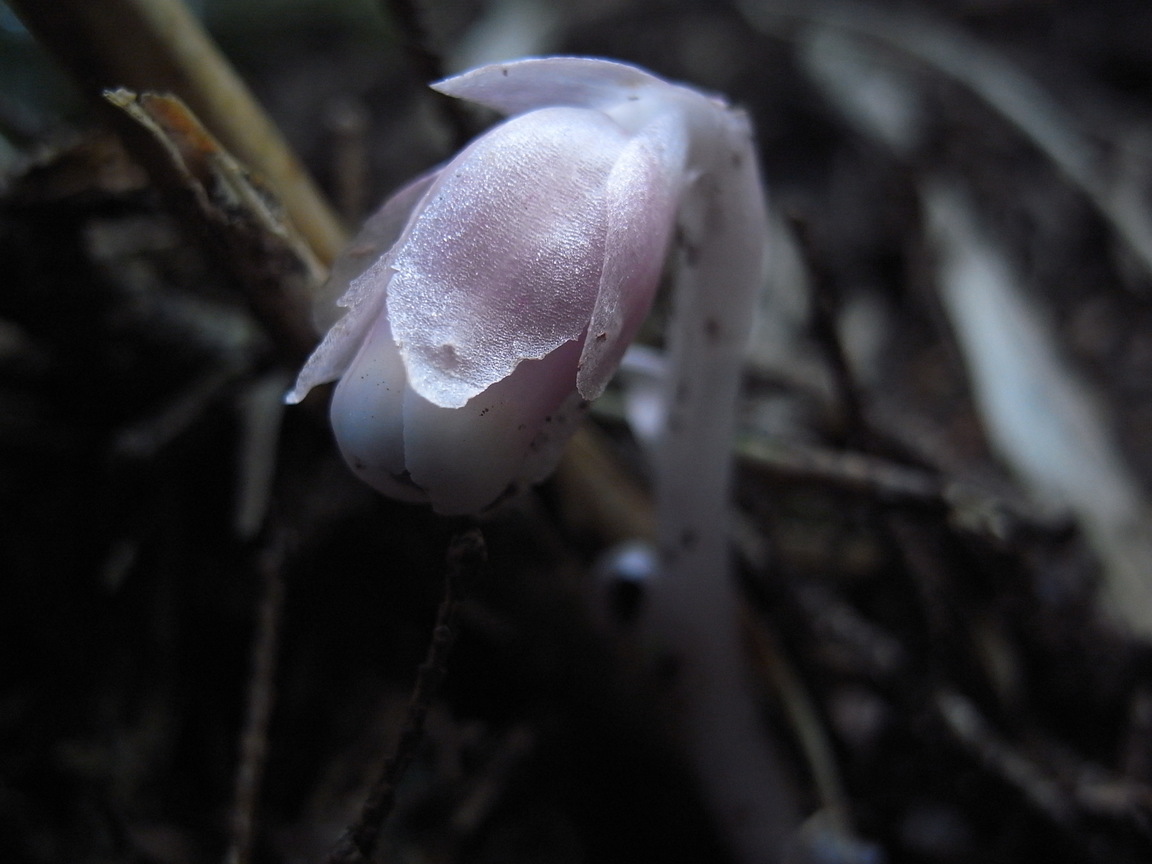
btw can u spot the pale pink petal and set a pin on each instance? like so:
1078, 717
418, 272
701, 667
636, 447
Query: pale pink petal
360, 278
642, 195
468, 458
367, 415
524, 85
335, 352
374, 239
502, 262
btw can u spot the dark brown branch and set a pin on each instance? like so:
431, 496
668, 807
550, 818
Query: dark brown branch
225, 207
466, 557
261, 698
971, 509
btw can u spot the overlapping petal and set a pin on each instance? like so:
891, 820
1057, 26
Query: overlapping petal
488, 300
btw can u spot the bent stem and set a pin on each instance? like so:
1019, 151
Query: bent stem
718, 275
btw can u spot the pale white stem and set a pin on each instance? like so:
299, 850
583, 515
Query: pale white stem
720, 268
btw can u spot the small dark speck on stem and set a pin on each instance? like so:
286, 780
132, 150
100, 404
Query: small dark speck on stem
689, 250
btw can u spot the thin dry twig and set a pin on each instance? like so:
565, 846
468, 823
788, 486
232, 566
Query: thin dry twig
159, 45
466, 556
1063, 790
227, 209
597, 496
261, 698
810, 731
971, 509
825, 313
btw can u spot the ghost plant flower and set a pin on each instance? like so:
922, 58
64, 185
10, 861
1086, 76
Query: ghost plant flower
489, 300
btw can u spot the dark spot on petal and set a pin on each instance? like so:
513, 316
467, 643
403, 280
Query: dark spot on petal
485, 411
504, 72
446, 357
712, 329
737, 159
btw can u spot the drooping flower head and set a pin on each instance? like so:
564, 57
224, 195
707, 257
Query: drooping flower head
487, 301
490, 299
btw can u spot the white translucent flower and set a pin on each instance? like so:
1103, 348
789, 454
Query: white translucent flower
490, 299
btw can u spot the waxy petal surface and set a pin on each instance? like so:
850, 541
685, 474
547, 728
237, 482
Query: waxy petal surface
641, 196
490, 438
503, 262
359, 279
367, 414
537, 82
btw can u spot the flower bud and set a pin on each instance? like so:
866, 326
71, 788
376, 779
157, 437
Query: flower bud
488, 301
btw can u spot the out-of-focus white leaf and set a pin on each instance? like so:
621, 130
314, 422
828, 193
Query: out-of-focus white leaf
862, 83
503, 264
991, 77
1040, 416
507, 29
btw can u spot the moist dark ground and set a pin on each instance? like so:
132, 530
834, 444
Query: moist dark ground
975, 704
